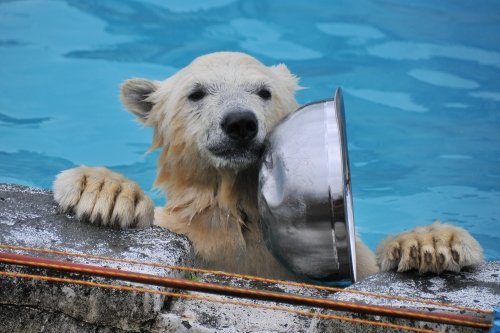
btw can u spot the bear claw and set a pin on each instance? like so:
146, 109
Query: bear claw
102, 197
435, 248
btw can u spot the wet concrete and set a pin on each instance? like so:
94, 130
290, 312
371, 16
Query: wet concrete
29, 217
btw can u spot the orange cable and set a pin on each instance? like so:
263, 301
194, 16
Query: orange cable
241, 292
211, 299
244, 276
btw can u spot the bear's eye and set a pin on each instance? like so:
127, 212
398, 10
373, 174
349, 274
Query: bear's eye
197, 95
264, 93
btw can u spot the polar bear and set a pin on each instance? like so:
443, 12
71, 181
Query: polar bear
210, 120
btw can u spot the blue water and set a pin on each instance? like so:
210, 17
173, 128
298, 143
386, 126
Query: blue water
421, 82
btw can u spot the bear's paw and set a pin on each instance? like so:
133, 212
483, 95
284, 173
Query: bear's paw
103, 197
435, 248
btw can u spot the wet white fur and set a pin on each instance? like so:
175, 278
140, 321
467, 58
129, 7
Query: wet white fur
212, 200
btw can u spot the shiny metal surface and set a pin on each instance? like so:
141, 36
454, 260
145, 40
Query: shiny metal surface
305, 199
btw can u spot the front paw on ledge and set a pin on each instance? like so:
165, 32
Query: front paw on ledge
434, 248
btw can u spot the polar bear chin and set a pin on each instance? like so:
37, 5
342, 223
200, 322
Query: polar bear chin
227, 156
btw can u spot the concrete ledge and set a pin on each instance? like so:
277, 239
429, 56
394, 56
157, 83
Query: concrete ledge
28, 217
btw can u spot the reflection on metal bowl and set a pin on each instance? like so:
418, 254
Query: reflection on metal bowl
305, 199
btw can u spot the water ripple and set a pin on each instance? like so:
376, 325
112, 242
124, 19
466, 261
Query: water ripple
190, 5
261, 38
357, 33
491, 95
419, 51
442, 79
393, 99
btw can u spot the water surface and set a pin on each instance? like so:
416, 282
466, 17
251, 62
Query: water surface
421, 82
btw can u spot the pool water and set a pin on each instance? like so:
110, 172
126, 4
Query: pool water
421, 83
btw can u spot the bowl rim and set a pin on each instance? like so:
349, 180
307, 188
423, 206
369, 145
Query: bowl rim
346, 178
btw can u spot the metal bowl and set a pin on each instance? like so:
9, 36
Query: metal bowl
305, 200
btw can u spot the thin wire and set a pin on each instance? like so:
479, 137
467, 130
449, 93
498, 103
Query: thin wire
215, 300
244, 276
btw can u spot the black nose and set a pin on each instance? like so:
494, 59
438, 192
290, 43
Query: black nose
241, 126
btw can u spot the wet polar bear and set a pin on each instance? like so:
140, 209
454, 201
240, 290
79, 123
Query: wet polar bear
210, 120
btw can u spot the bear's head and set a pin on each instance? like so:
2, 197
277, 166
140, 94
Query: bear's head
214, 113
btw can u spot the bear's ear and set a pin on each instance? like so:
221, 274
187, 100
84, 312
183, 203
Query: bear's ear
134, 95
290, 81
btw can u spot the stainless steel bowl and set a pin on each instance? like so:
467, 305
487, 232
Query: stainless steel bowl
305, 200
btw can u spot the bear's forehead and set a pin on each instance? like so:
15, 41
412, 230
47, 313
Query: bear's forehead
222, 75
219, 82
225, 70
